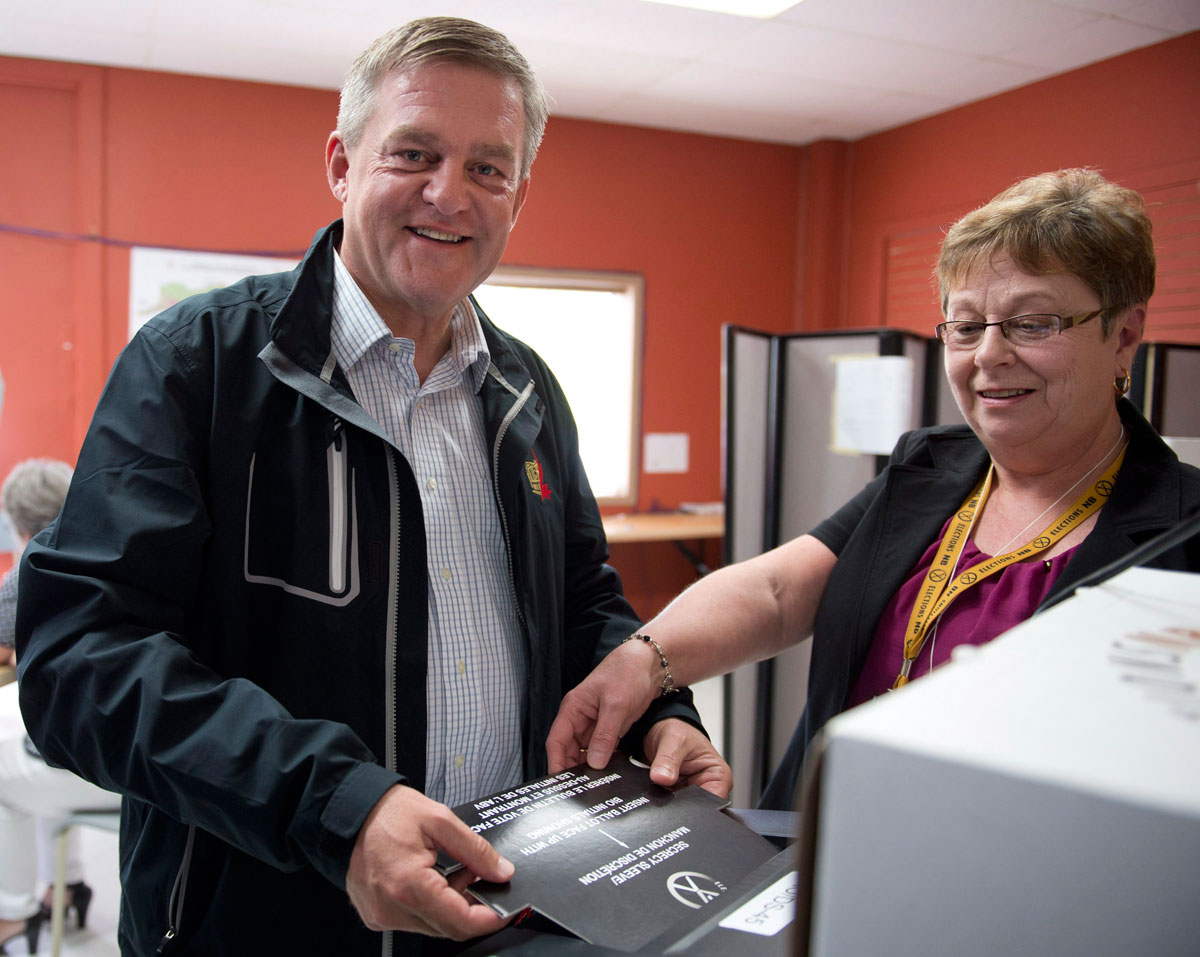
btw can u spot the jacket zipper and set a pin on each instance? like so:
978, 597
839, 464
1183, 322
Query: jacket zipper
178, 893
393, 629
335, 463
512, 413
393, 596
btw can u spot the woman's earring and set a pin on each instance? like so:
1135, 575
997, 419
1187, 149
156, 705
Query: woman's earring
1122, 384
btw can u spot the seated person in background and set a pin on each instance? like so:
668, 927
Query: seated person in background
32, 793
32, 495
967, 531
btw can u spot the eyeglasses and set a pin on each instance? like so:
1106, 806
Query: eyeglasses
1023, 330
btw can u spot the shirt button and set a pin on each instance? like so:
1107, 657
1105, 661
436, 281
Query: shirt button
446, 574
459, 760
431, 485
462, 667
393, 347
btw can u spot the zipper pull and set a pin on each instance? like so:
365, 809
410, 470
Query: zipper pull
166, 941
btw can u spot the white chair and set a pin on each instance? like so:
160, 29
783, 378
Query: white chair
105, 820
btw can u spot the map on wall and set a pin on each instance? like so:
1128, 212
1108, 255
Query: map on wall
159, 278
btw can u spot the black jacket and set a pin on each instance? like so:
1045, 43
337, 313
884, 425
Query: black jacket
880, 534
228, 622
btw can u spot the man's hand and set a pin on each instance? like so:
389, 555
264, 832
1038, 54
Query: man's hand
680, 755
600, 709
392, 882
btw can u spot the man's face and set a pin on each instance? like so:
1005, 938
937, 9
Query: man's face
430, 192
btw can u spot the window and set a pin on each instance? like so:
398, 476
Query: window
588, 328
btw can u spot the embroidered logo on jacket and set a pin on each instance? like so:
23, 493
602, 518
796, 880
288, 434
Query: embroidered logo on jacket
537, 481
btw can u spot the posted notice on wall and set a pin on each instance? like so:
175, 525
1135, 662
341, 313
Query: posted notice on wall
609, 855
159, 278
872, 403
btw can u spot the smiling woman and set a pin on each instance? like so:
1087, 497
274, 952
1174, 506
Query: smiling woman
1040, 404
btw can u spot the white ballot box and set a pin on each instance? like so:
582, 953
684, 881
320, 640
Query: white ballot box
1039, 795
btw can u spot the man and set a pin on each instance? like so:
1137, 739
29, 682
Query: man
302, 591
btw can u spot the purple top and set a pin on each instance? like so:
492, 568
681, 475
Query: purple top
975, 617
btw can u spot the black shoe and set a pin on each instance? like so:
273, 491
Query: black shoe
33, 927
79, 899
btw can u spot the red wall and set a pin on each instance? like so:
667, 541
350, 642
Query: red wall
1135, 117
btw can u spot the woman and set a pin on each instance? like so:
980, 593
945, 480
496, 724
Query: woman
31, 790
1044, 294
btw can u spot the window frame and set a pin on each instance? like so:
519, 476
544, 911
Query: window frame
630, 284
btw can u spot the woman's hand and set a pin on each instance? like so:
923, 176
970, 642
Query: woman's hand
600, 709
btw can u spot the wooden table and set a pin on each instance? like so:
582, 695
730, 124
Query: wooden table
663, 527
674, 527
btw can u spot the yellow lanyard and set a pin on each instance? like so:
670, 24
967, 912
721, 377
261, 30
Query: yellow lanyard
939, 588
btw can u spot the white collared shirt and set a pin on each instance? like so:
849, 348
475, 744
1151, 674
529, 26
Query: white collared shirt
477, 676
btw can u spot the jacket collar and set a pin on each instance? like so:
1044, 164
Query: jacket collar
301, 354
956, 449
1146, 499
301, 327
1148, 493
505, 362
1143, 498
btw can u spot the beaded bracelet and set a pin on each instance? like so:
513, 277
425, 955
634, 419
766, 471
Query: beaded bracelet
668, 683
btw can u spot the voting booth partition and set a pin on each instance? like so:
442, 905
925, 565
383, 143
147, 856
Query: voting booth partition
807, 419
1164, 381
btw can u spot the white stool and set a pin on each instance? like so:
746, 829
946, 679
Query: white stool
105, 820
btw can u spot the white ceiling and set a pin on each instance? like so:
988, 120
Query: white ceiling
825, 68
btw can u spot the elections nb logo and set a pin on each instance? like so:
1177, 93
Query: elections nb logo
537, 480
693, 889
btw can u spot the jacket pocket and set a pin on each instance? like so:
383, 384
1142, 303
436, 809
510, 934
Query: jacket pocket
301, 521
178, 898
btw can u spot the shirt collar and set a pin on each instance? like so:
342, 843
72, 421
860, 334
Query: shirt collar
467, 345
357, 327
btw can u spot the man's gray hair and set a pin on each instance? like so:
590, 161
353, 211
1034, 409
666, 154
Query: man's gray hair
33, 494
442, 38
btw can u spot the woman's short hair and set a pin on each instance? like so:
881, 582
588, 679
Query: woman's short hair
33, 494
442, 38
1072, 220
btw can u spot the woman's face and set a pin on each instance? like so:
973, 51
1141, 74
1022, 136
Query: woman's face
1038, 406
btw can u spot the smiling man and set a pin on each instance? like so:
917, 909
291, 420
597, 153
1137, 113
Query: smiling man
431, 186
303, 595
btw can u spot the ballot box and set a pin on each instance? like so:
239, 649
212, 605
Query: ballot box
1038, 795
